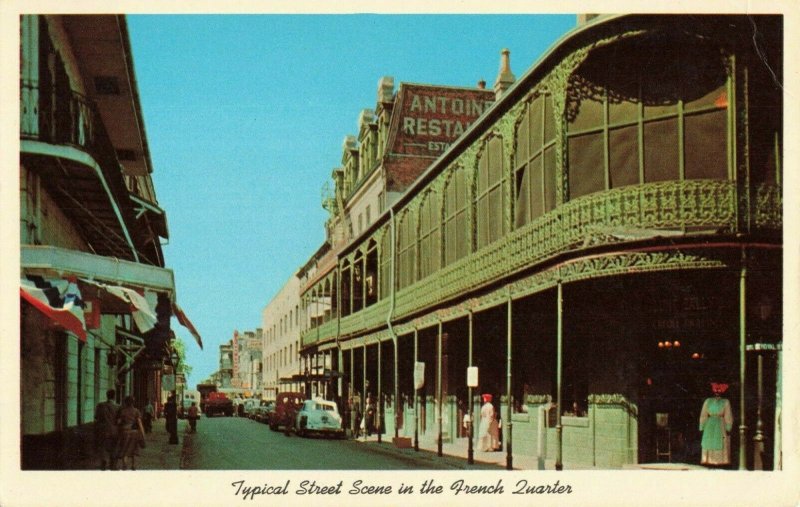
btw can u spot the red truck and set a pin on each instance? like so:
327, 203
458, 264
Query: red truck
218, 403
213, 402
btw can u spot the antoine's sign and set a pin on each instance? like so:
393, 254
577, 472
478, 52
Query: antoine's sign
431, 118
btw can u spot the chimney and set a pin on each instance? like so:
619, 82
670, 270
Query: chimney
365, 118
350, 143
504, 78
482, 84
585, 18
385, 89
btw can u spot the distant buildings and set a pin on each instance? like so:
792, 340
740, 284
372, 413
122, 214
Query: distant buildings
249, 371
95, 298
241, 367
281, 323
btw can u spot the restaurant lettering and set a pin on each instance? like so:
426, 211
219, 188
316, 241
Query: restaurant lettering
448, 105
431, 121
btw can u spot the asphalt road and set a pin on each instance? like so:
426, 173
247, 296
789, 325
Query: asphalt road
234, 443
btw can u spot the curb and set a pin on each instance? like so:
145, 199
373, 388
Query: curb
425, 455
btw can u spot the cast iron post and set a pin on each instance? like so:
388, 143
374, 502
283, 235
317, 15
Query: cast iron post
439, 388
416, 404
509, 400
559, 332
742, 347
470, 449
379, 411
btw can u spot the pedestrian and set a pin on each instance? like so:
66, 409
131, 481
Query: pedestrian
130, 433
466, 424
369, 425
149, 411
488, 432
194, 415
171, 416
716, 422
105, 430
358, 421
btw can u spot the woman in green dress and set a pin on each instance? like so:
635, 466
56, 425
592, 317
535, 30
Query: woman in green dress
716, 422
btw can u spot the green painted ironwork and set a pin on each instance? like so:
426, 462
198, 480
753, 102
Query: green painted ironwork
768, 207
584, 221
579, 269
601, 218
615, 400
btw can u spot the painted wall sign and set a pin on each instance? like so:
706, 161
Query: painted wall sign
428, 119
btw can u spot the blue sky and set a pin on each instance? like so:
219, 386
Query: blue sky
245, 117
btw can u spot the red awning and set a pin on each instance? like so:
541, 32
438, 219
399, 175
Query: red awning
59, 300
185, 322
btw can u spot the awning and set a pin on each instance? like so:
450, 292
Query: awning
60, 300
184, 321
144, 316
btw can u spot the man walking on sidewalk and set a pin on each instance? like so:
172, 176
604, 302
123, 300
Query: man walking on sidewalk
194, 415
105, 430
171, 415
147, 419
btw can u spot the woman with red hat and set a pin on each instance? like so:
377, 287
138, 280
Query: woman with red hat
488, 434
716, 422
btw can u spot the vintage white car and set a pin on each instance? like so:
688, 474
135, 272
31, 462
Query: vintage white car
319, 416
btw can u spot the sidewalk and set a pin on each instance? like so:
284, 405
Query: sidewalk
158, 453
455, 454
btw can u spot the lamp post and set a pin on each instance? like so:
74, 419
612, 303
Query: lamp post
761, 347
175, 360
172, 424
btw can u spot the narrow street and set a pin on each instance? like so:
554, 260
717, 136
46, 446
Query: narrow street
233, 443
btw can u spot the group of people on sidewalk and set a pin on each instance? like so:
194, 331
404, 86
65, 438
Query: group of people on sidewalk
119, 432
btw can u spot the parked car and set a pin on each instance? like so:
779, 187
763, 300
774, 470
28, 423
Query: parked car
249, 406
263, 410
286, 406
320, 417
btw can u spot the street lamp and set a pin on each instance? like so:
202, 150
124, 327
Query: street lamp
172, 416
175, 360
764, 344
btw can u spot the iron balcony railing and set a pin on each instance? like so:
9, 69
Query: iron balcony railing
710, 205
67, 120
72, 119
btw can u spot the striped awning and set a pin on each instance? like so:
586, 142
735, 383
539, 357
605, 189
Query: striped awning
58, 299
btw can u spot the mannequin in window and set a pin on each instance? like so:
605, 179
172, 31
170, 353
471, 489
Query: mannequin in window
716, 422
